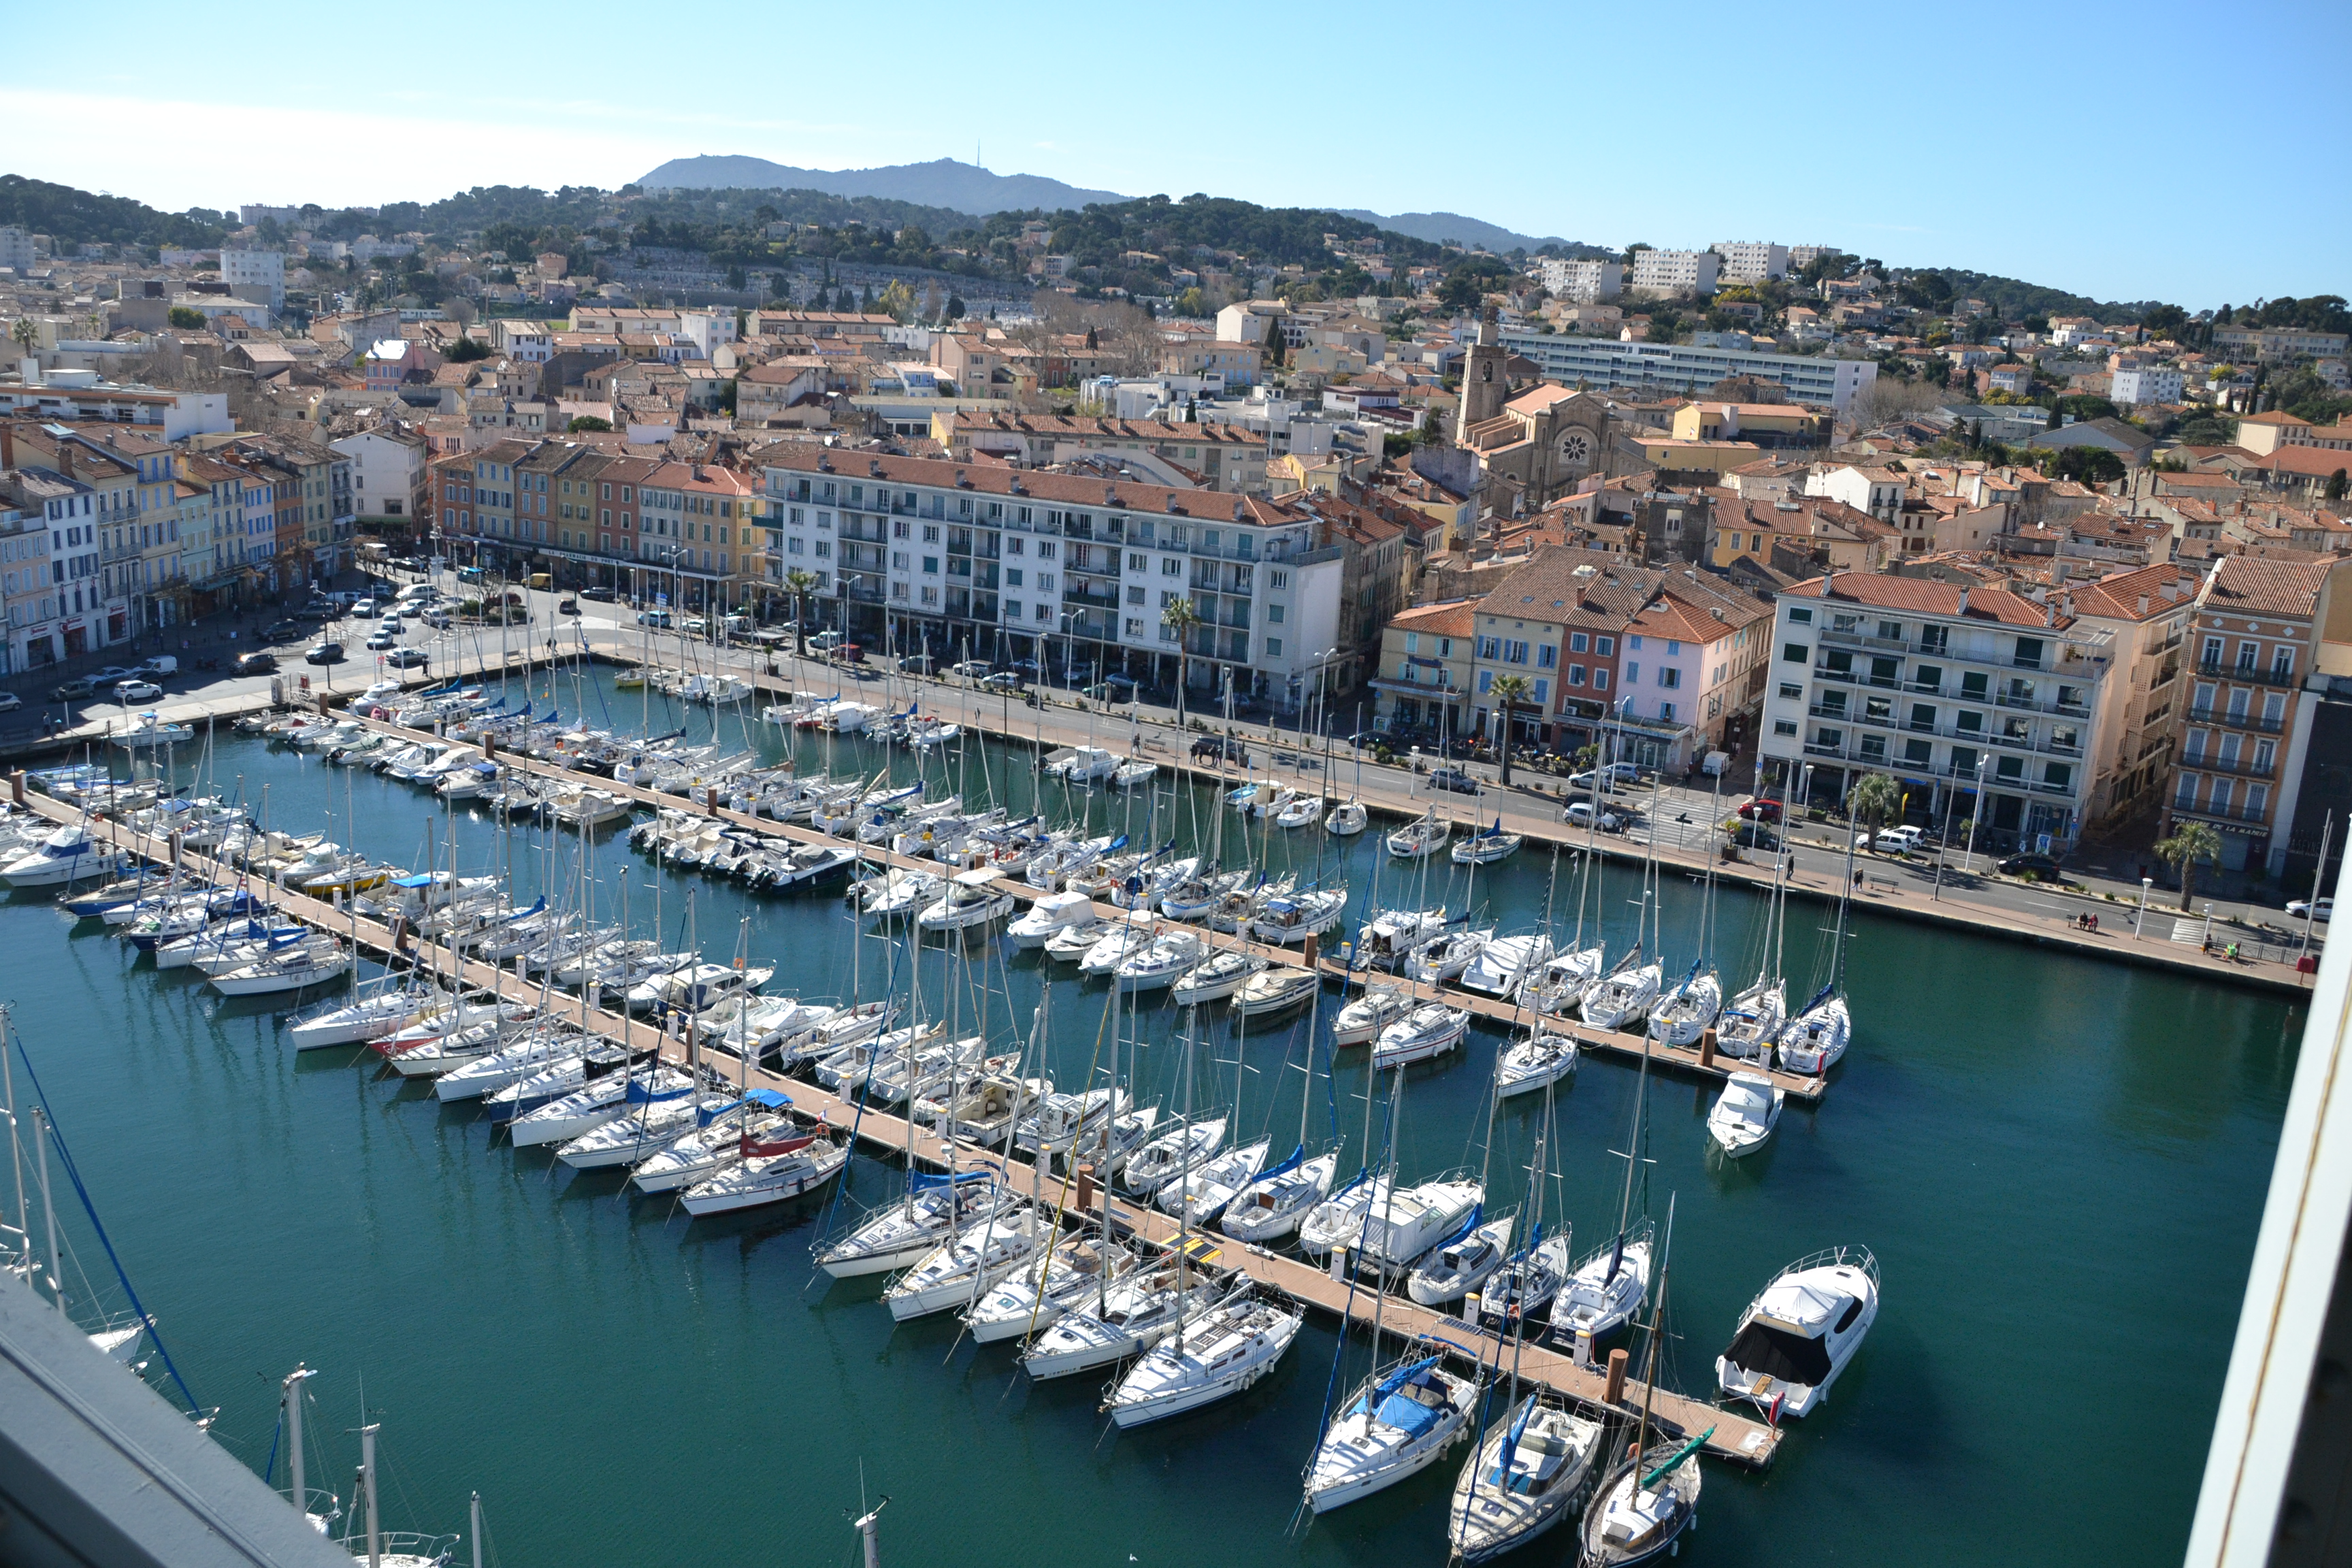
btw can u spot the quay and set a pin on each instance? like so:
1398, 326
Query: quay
1737, 1438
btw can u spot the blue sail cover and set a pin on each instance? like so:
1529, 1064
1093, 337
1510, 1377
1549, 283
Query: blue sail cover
1821, 997
641, 1092
1298, 1158
924, 1179
1477, 1213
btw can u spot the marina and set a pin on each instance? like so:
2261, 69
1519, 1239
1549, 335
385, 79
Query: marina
1714, 1275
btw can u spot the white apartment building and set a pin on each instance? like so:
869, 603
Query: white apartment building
2135, 387
16, 248
1674, 271
526, 342
1979, 703
1801, 256
387, 473
1752, 260
255, 275
1582, 282
969, 561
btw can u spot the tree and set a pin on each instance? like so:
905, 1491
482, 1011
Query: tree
1508, 691
799, 582
896, 301
1874, 800
182, 317
466, 349
580, 422
2336, 485
1181, 617
2190, 841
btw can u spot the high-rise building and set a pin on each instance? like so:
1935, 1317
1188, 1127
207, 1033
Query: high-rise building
255, 275
1675, 272
1752, 260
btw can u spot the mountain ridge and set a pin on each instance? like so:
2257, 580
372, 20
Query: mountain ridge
941, 182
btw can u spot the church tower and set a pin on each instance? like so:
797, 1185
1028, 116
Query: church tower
1483, 386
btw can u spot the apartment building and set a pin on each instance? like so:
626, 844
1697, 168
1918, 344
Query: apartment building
2254, 638
2145, 613
255, 275
1228, 456
1559, 622
2276, 344
976, 559
1980, 703
99, 567
1582, 282
1572, 361
2143, 384
699, 524
388, 478
1691, 670
1659, 273
1422, 680
1752, 260
73, 617
28, 600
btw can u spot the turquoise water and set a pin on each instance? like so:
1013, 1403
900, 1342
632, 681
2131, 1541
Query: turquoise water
2059, 1164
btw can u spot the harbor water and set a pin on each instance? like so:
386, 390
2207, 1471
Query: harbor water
2058, 1162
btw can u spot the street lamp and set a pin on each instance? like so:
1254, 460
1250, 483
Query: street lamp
1976, 814
1322, 662
2144, 884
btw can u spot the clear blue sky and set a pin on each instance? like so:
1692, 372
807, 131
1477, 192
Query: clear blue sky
2152, 151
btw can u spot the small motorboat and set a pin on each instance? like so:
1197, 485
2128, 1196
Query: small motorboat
1800, 1332
1745, 1114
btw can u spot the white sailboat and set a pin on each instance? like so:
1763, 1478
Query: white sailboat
1526, 1475
1220, 1353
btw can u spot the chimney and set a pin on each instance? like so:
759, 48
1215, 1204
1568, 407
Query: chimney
2143, 605
1964, 600
1827, 578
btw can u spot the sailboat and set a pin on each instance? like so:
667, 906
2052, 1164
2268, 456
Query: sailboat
1651, 1496
1221, 1353
1398, 1424
1421, 838
1608, 1285
1816, 1038
1347, 819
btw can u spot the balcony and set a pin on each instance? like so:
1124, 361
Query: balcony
2246, 674
2232, 813
2212, 763
1092, 601
2237, 720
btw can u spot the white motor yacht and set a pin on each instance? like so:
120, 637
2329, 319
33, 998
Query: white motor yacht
1214, 1356
1745, 1114
1800, 1333
1504, 965
1406, 1223
1397, 1425
1053, 913
1382, 941
68, 855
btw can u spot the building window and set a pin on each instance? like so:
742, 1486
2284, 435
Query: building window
1576, 675
1666, 712
930, 596
1273, 647
1514, 651
1784, 726
1012, 576
1576, 642
1670, 675
931, 564
1138, 562
1485, 681
1604, 647
1134, 627
1795, 653
1600, 680
1547, 657
1490, 648
1633, 673
1633, 643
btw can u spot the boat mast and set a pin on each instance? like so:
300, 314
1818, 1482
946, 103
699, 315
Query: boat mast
367, 1483
290, 1395
1657, 1322
15, 1148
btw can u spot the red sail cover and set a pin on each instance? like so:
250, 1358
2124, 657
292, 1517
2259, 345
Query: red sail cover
755, 1149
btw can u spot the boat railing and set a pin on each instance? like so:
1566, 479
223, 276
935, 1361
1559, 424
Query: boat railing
1853, 1257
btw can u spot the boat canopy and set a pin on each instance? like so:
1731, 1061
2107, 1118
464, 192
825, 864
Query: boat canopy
1762, 1348
924, 1179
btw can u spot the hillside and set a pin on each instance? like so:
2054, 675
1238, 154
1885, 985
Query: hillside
1439, 227
943, 183
84, 217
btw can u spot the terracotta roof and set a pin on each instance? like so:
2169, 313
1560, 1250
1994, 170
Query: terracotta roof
1549, 589
2118, 597
2265, 585
1922, 596
1452, 618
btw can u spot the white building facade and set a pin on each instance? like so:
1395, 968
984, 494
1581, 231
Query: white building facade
1674, 271
1582, 282
1752, 260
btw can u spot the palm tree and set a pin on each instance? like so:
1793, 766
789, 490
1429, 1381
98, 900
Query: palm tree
2190, 841
1874, 799
1508, 691
1182, 618
798, 582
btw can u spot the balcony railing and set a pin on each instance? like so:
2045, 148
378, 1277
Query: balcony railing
2247, 674
2212, 763
1093, 600
2254, 722
2231, 813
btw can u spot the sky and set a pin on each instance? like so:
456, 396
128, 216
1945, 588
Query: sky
2085, 147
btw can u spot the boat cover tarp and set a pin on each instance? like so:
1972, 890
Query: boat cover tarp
1777, 1352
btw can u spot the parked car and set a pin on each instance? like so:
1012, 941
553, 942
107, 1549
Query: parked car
1900, 840
382, 639
598, 595
436, 618
162, 665
112, 675
1004, 680
567, 607
393, 625
2044, 866
657, 619
1755, 836
1220, 748
1579, 813
1453, 779
1761, 810
1585, 780
915, 664
971, 670
2313, 909
256, 663
10, 702
318, 610
324, 653
697, 625
68, 690
129, 691
407, 657
365, 610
